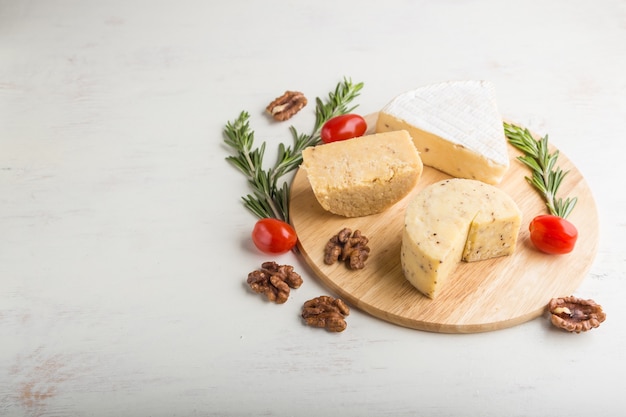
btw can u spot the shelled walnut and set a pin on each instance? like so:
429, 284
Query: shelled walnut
349, 247
575, 314
287, 105
274, 281
327, 312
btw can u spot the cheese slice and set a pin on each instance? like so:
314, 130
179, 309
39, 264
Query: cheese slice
451, 221
456, 127
365, 175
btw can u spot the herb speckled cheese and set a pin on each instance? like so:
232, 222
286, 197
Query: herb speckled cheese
456, 127
365, 175
451, 221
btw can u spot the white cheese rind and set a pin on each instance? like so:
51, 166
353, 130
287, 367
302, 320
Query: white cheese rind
456, 127
364, 175
454, 220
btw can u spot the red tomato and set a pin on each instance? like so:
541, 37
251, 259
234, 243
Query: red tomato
273, 236
346, 126
553, 234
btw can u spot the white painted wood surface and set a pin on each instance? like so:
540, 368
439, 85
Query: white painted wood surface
124, 246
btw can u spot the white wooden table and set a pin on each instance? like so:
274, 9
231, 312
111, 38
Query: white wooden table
124, 245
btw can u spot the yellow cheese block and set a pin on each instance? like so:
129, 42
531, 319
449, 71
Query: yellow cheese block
364, 175
451, 221
456, 127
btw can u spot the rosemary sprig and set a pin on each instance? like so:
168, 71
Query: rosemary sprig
269, 199
546, 175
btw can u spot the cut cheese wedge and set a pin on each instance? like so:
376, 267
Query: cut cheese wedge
456, 128
451, 221
364, 175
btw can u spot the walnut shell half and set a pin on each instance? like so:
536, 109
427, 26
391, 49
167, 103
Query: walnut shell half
575, 314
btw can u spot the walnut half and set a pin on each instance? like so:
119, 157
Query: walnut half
575, 314
287, 105
326, 311
349, 247
274, 281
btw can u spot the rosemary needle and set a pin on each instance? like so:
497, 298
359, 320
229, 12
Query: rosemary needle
546, 175
269, 199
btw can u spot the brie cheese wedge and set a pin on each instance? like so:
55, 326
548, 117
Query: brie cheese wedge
455, 126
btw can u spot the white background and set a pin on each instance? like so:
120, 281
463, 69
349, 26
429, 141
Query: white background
124, 245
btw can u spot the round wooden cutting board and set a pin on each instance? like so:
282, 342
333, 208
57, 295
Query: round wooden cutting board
479, 296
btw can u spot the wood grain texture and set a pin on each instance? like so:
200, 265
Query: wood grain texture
480, 296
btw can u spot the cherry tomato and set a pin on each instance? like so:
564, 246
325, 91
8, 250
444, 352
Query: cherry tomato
273, 236
346, 126
553, 234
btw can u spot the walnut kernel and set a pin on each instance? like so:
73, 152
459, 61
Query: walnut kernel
326, 312
349, 247
287, 105
274, 281
575, 314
